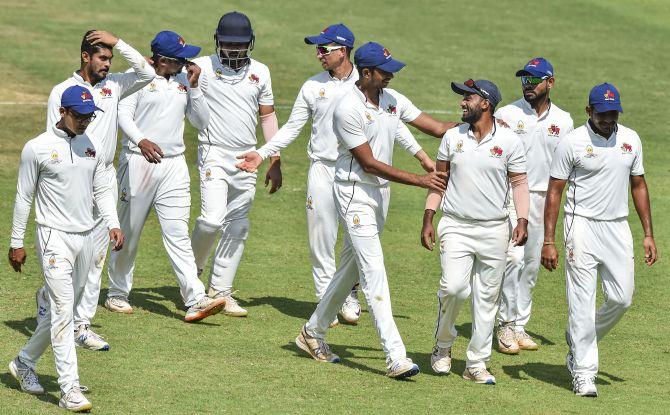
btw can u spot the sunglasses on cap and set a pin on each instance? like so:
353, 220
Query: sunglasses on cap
324, 50
470, 83
532, 80
178, 61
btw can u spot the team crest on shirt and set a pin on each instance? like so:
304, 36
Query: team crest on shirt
369, 118
124, 195
254, 79
589, 152
459, 147
310, 203
554, 130
322, 94
520, 128
219, 73
392, 109
152, 87
182, 88
626, 148
106, 92
356, 221
496, 152
54, 157
208, 174
90, 152
571, 255
51, 263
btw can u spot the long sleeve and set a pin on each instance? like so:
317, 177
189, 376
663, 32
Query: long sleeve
405, 138
103, 196
142, 74
289, 131
197, 109
25, 191
53, 109
126, 118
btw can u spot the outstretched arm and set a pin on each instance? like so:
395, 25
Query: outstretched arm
431, 126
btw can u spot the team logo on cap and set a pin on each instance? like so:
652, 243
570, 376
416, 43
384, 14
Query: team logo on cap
182, 88
124, 195
520, 128
310, 203
51, 263
589, 152
254, 78
626, 148
533, 63
496, 152
387, 54
554, 130
609, 95
106, 92
182, 42
459, 147
89, 152
391, 109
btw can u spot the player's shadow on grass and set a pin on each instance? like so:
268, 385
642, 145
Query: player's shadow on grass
25, 326
50, 384
556, 375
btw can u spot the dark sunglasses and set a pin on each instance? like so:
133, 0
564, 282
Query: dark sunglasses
532, 80
82, 117
178, 61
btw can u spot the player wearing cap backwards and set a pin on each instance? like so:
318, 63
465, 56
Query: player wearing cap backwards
317, 99
597, 161
481, 159
153, 171
64, 172
366, 121
237, 89
107, 89
541, 125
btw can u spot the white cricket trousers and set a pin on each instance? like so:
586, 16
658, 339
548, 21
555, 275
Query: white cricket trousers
523, 265
472, 256
592, 248
226, 196
362, 212
166, 187
322, 225
65, 259
86, 308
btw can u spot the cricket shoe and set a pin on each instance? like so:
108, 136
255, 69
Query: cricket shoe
86, 338
506, 340
231, 307
479, 375
402, 368
334, 323
74, 400
351, 309
26, 377
204, 308
317, 348
440, 360
524, 341
118, 304
585, 386
42, 301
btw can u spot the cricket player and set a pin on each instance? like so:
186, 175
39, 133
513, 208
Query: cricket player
63, 170
482, 158
598, 161
153, 172
366, 121
237, 90
316, 100
107, 89
540, 124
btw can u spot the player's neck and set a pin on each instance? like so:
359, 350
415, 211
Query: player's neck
342, 71
541, 105
160, 71
87, 77
482, 126
61, 126
371, 95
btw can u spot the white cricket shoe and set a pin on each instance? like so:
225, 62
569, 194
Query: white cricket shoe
317, 348
204, 308
231, 307
86, 338
334, 323
74, 400
440, 359
402, 368
584, 385
506, 340
118, 305
42, 302
479, 375
524, 341
351, 309
26, 377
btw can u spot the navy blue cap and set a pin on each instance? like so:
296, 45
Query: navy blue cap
171, 45
337, 33
234, 27
374, 55
79, 99
485, 89
537, 67
605, 97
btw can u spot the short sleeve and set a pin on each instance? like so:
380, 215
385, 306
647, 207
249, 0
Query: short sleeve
406, 110
564, 160
443, 151
266, 97
516, 160
348, 128
637, 169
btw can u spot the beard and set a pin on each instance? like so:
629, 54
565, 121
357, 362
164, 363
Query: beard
472, 116
536, 98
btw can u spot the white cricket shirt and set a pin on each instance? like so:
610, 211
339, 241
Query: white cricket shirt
65, 176
156, 112
233, 99
106, 94
478, 172
357, 121
539, 134
598, 171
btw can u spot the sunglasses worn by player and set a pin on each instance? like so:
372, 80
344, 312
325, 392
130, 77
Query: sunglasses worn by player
82, 117
325, 50
532, 80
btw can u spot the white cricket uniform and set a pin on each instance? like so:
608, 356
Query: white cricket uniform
66, 176
540, 135
156, 113
474, 231
362, 203
317, 100
597, 236
103, 132
226, 192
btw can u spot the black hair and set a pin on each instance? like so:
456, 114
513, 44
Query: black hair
87, 47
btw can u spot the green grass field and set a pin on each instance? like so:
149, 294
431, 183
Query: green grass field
160, 365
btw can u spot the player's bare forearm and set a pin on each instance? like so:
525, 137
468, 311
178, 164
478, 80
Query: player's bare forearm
429, 125
640, 194
551, 208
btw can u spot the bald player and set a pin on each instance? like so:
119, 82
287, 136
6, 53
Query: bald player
598, 161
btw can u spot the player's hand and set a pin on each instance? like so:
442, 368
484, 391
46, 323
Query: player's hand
251, 162
428, 235
193, 74
274, 175
427, 164
151, 152
116, 237
436, 180
502, 123
100, 36
549, 257
520, 233
17, 257
650, 254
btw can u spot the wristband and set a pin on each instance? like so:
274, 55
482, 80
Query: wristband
548, 243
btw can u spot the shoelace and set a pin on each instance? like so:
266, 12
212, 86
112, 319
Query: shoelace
93, 334
399, 363
118, 301
506, 335
322, 349
523, 335
477, 372
442, 351
582, 381
73, 391
29, 376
